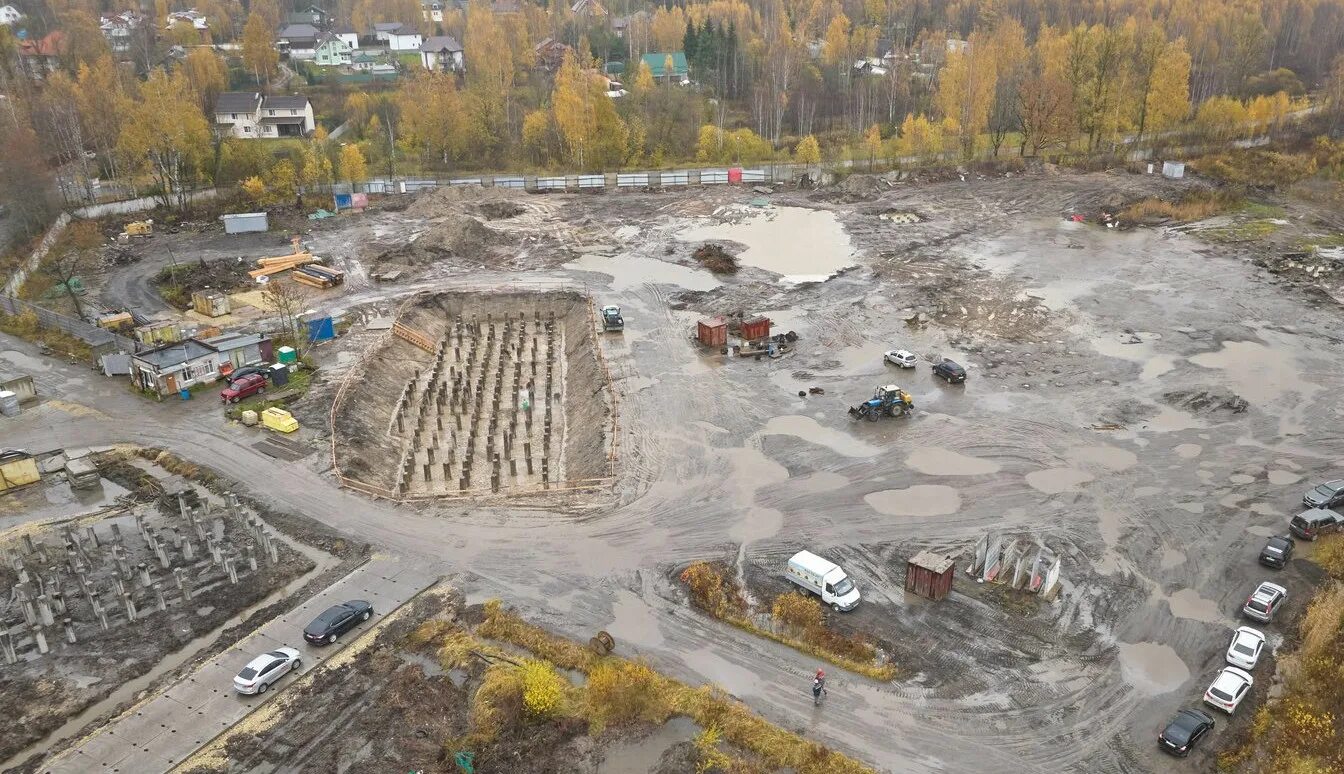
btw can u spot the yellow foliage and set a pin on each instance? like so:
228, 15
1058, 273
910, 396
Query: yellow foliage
708, 755
807, 151
796, 610
1329, 554
498, 703
543, 690
626, 692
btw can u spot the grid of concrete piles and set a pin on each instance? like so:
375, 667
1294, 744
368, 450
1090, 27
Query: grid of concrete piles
488, 411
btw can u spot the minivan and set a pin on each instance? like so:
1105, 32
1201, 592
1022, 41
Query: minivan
1313, 522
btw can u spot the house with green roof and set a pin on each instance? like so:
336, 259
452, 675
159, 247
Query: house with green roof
658, 65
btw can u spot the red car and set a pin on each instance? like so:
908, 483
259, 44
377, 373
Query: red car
242, 387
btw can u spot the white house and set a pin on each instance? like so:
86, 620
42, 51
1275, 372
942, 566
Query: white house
441, 53
119, 28
249, 115
299, 41
9, 15
399, 37
193, 17
348, 35
432, 10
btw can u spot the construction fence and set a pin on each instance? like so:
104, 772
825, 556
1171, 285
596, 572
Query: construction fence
100, 340
603, 181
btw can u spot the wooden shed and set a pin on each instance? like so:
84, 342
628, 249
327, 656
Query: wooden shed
712, 332
929, 575
756, 328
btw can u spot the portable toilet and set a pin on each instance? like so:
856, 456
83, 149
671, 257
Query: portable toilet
279, 373
287, 355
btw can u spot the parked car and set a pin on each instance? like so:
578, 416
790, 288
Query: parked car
265, 669
243, 387
823, 578
1327, 495
900, 357
1277, 551
337, 620
1264, 602
239, 373
1228, 689
1244, 652
1314, 522
1184, 730
950, 370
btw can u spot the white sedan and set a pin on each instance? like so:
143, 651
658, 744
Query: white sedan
1228, 689
900, 357
1244, 652
265, 669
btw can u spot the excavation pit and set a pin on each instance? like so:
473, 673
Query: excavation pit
478, 395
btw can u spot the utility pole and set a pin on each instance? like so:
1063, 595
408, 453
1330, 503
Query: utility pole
391, 147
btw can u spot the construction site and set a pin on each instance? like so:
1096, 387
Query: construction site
1044, 444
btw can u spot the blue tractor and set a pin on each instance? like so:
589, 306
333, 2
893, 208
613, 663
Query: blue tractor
888, 401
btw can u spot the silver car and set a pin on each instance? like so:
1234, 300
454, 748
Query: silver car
265, 669
900, 357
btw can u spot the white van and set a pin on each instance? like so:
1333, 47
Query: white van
823, 578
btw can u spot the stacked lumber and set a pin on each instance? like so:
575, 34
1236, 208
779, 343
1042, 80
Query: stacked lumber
318, 276
269, 266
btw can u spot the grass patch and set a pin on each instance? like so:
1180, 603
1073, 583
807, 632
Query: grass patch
27, 327
628, 692
798, 623
1198, 205
1248, 231
299, 382
1261, 210
1325, 242
1300, 730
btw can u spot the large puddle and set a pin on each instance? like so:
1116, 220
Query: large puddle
1057, 480
1151, 668
808, 429
640, 756
936, 461
919, 500
799, 244
628, 271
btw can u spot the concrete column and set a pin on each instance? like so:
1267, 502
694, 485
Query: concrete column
216, 555
102, 620
58, 602
116, 534
120, 585
231, 570
44, 611
251, 559
41, 639
188, 550
272, 550
159, 600
130, 605
183, 585
95, 603
144, 575
93, 536
7, 649
176, 538
69, 630
28, 547
162, 553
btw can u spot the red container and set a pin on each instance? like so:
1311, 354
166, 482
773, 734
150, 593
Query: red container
756, 328
735, 174
712, 332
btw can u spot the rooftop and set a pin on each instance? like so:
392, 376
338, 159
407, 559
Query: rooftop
441, 43
932, 562
237, 102
175, 353
298, 31
284, 102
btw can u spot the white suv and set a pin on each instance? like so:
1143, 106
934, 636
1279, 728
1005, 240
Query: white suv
901, 358
1228, 689
1244, 652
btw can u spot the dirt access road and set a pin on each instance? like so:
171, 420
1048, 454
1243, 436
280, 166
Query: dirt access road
1063, 327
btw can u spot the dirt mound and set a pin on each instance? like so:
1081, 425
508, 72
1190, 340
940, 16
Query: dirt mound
498, 209
713, 257
1207, 401
455, 235
854, 188
444, 201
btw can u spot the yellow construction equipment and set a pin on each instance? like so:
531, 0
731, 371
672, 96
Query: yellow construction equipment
142, 228
17, 468
279, 420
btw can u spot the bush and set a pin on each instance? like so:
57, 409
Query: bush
1197, 206
1329, 555
711, 593
543, 690
797, 611
626, 692
498, 704
1261, 168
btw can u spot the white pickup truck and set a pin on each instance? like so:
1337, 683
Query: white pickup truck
823, 578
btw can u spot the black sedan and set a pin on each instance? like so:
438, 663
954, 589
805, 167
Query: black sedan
1277, 552
337, 620
1180, 735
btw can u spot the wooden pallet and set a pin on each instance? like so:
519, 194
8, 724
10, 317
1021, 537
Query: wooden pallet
413, 336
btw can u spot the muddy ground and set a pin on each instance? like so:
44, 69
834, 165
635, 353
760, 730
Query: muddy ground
1149, 403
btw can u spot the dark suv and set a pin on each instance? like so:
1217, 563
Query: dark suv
1188, 727
337, 620
950, 370
1277, 552
1313, 522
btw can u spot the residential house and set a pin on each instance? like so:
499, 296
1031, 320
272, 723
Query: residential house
441, 53
550, 53
119, 28
347, 33
312, 15
432, 10
286, 116
332, 51
236, 114
193, 17
41, 57
249, 115
870, 66
173, 367
668, 67
367, 60
398, 36
236, 350
9, 15
299, 41
588, 9
621, 24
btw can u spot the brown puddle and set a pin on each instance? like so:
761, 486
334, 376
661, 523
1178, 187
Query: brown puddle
936, 461
919, 500
1151, 668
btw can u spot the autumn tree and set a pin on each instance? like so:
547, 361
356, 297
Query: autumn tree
807, 151
103, 103
316, 168
84, 42
207, 75
1011, 59
353, 166
643, 83
1222, 118
259, 54
872, 144
1096, 68
491, 70
920, 138
167, 136
966, 90
75, 253
25, 178
439, 121
594, 135
59, 121
1161, 78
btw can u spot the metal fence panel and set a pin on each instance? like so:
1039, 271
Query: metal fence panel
713, 176
753, 175
550, 184
510, 182
676, 177
90, 334
592, 181
632, 180
411, 186
465, 181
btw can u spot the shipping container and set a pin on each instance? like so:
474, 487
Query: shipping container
712, 332
244, 222
756, 328
210, 303
929, 575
